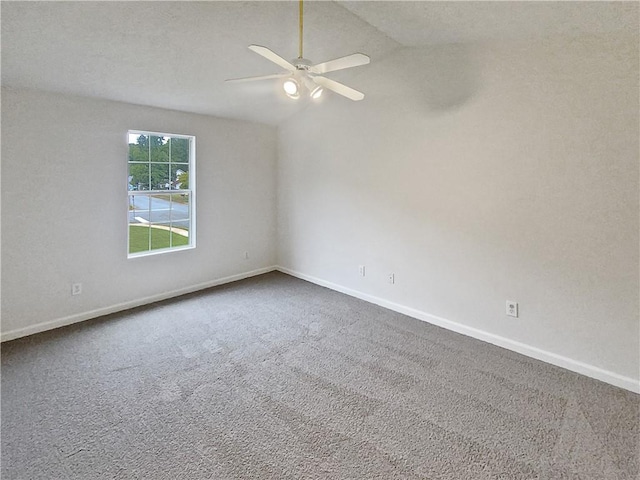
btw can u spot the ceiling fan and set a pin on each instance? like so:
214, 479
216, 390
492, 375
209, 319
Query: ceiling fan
301, 76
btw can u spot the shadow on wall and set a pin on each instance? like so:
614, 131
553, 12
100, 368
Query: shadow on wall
435, 78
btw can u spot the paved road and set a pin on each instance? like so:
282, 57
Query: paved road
161, 211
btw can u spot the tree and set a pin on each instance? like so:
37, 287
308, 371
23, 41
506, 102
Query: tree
149, 161
159, 149
139, 173
183, 181
179, 150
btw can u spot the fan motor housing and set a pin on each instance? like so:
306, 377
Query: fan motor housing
301, 63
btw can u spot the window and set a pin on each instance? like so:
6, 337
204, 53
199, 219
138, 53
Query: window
161, 192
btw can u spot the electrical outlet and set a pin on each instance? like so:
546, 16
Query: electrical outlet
76, 289
246, 255
512, 309
392, 278
361, 270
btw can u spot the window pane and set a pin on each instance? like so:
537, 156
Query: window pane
164, 237
180, 211
160, 209
159, 148
138, 238
138, 148
138, 176
180, 174
138, 206
179, 150
160, 179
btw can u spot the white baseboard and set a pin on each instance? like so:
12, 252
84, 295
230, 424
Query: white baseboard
99, 312
561, 361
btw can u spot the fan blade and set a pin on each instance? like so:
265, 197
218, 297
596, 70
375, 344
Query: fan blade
354, 60
261, 77
272, 56
339, 88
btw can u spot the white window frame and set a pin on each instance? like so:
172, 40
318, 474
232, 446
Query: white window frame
191, 191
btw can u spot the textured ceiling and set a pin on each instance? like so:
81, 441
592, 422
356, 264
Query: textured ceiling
421, 23
177, 54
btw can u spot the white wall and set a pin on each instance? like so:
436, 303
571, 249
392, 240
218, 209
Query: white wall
64, 207
503, 172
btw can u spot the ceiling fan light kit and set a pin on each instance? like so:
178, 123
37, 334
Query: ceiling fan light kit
316, 92
291, 88
300, 84
303, 77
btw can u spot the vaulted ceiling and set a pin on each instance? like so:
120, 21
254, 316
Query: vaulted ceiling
177, 54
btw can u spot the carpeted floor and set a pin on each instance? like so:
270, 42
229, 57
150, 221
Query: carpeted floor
276, 378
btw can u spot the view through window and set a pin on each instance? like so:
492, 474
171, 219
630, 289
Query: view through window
161, 190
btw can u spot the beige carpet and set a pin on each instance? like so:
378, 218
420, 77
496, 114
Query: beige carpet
276, 378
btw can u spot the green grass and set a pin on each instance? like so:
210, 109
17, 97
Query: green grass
176, 198
139, 239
